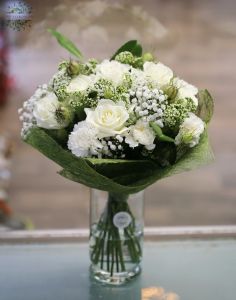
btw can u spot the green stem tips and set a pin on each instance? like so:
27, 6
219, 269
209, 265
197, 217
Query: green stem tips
159, 134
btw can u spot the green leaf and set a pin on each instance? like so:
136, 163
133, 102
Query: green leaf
65, 43
131, 46
205, 106
118, 176
79, 169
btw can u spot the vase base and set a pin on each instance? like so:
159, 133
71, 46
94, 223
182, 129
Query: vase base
116, 278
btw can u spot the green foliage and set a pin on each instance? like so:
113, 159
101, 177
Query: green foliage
164, 154
177, 111
159, 134
65, 43
125, 57
116, 175
205, 106
132, 46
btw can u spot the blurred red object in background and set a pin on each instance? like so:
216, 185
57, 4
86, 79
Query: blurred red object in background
3, 62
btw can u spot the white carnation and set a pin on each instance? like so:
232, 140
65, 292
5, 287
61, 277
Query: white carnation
190, 131
83, 140
108, 117
140, 133
44, 112
80, 83
112, 70
185, 90
157, 73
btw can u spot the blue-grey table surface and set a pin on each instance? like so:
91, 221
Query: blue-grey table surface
186, 270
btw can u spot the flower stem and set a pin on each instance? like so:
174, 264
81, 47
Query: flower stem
115, 246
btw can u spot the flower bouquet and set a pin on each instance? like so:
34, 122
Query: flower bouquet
118, 126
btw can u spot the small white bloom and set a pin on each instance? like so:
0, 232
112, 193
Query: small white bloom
83, 140
138, 78
80, 83
112, 70
108, 117
190, 131
140, 133
44, 112
157, 73
185, 90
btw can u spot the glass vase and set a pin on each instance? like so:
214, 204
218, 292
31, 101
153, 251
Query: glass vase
116, 236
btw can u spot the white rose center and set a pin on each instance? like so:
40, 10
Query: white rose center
109, 117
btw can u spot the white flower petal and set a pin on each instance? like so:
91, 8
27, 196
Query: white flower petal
185, 90
83, 140
80, 83
44, 112
112, 70
157, 73
190, 131
108, 117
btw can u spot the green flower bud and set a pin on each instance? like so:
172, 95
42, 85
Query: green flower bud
170, 90
148, 56
74, 68
138, 62
108, 93
64, 115
125, 57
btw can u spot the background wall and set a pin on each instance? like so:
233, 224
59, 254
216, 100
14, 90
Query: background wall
196, 38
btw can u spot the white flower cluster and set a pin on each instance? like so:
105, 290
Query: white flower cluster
149, 105
112, 108
26, 113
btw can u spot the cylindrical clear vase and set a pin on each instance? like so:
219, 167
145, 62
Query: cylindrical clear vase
116, 236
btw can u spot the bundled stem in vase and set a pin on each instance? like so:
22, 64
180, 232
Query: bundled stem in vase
116, 246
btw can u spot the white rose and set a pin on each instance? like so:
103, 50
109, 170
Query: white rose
190, 131
185, 90
157, 73
83, 140
112, 70
109, 117
44, 112
80, 83
140, 133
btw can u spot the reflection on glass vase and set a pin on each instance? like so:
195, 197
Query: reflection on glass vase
116, 236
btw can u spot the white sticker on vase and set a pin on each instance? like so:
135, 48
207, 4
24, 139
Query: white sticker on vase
122, 219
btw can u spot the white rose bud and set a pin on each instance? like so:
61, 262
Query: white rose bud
45, 112
190, 131
108, 117
112, 70
157, 73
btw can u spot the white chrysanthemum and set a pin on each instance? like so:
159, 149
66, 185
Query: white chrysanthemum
112, 70
80, 83
83, 140
44, 112
140, 133
157, 73
108, 117
185, 90
190, 131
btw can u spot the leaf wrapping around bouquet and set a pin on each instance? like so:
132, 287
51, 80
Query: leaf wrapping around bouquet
119, 176
205, 106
